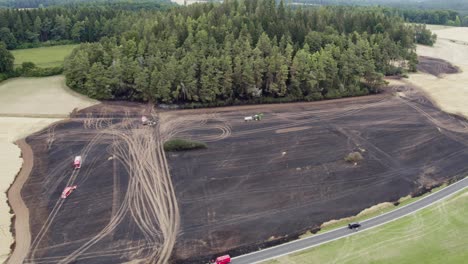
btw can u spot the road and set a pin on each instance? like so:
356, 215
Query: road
301, 244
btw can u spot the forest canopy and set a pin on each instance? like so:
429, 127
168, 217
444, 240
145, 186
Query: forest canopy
242, 51
26, 28
423, 5
46, 3
447, 12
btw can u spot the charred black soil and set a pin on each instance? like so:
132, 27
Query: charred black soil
436, 67
256, 183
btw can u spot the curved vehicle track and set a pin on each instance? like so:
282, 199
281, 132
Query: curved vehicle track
137, 202
149, 199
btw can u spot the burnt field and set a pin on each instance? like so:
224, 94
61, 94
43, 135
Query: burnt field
257, 182
436, 67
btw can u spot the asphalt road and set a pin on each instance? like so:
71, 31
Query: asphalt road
301, 244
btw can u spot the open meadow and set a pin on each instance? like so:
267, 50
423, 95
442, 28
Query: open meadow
436, 234
43, 57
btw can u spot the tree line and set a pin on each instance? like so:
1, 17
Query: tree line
47, 3
437, 17
423, 35
460, 6
62, 25
93, 20
244, 51
27, 69
427, 12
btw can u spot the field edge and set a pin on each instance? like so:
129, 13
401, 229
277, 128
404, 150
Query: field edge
20, 220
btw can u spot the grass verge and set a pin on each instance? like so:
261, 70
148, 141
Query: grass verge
44, 57
183, 144
436, 234
371, 212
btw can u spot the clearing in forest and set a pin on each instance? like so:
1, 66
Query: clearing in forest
43, 57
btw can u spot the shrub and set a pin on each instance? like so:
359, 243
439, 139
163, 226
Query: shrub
392, 70
333, 94
314, 97
49, 43
354, 157
183, 144
28, 69
3, 76
44, 72
28, 66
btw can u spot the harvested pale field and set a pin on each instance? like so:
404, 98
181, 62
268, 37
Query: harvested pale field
39, 97
22, 99
450, 92
452, 33
437, 27
12, 129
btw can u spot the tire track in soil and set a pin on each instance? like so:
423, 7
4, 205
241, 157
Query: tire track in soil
150, 198
142, 202
442, 128
51, 217
103, 253
270, 213
316, 118
60, 201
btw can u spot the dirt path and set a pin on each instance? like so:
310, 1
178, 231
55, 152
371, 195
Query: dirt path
22, 232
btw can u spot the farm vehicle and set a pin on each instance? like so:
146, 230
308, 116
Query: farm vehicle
69, 189
256, 117
147, 122
226, 259
77, 162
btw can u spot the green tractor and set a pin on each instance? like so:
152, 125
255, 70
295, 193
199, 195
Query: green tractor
258, 117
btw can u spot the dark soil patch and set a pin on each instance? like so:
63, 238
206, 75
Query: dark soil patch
436, 67
183, 145
252, 187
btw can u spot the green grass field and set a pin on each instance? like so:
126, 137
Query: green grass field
437, 234
43, 57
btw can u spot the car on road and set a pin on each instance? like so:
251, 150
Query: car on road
354, 226
67, 191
